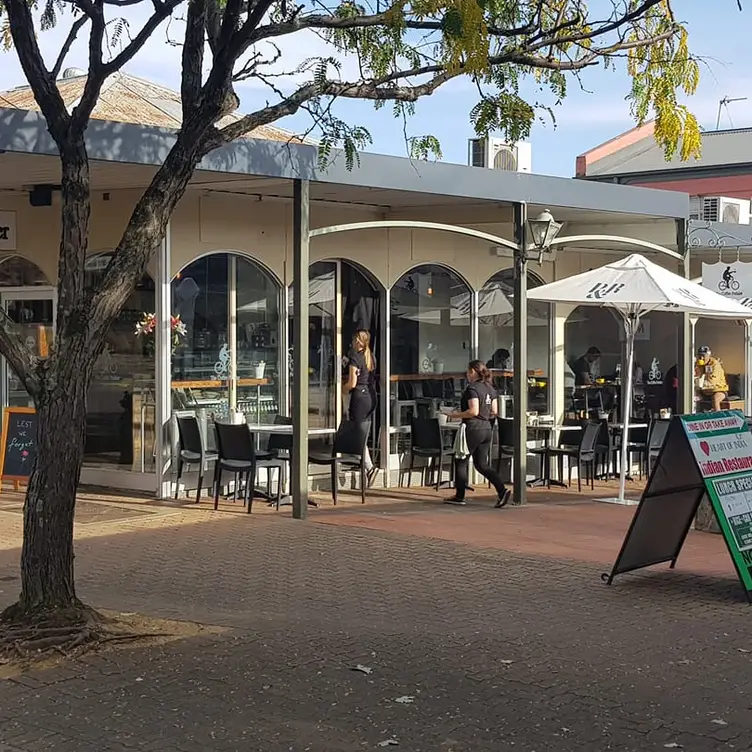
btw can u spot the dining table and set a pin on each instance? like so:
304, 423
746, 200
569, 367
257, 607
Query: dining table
284, 430
545, 431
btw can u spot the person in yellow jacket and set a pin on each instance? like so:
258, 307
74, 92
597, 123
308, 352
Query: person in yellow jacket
710, 377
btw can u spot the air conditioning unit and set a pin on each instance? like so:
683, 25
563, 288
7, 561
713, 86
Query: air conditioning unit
695, 207
495, 154
734, 211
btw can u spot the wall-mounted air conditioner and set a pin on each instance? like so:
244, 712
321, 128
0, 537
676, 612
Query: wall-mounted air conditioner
734, 211
496, 154
695, 207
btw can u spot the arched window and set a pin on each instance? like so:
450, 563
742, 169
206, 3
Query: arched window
122, 384
430, 340
496, 336
229, 324
17, 271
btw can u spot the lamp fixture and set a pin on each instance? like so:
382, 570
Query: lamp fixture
543, 230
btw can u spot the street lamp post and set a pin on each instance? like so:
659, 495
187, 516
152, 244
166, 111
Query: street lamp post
542, 232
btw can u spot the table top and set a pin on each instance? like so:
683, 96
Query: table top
287, 429
554, 427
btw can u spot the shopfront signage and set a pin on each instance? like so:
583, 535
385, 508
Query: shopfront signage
707, 455
8, 231
18, 443
732, 280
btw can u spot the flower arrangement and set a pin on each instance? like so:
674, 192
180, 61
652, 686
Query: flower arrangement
148, 325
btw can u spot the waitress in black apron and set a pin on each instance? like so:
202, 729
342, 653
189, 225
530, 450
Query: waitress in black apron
361, 385
478, 409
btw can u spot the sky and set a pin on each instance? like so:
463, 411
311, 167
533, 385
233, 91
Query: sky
590, 114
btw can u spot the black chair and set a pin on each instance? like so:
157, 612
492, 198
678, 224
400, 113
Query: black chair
191, 451
348, 451
279, 451
506, 440
427, 440
237, 454
637, 443
583, 455
656, 440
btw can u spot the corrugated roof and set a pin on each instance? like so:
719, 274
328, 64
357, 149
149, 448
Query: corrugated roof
719, 149
128, 99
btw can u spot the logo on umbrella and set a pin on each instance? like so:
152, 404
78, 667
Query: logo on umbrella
601, 290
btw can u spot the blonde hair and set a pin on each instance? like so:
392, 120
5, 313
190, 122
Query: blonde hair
362, 343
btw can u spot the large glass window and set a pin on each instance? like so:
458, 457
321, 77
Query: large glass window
121, 399
495, 338
430, 342
655, 360
334, 285
228, 357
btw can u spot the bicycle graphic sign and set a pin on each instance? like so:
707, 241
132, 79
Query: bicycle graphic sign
730, 279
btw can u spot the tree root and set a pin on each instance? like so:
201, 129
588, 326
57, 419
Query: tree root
67, 633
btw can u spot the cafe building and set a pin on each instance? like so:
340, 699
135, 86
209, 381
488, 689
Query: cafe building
422, 255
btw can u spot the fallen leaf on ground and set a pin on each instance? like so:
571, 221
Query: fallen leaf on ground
405, 699
719, 722
672, 745
388, 743
363, 669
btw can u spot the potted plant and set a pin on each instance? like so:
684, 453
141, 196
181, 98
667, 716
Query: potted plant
147, 327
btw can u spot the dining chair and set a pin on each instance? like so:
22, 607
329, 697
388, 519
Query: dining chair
656, 440
583, 456
427, 440
348, 451
237, 454
191, 451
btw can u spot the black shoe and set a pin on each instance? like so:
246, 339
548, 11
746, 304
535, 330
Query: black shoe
455, 501
503, 499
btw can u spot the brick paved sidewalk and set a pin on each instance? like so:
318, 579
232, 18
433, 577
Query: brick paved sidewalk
471, 647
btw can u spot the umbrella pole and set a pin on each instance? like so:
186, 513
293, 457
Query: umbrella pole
630, 327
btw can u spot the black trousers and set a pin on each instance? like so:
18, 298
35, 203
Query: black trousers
479, 446
362, 404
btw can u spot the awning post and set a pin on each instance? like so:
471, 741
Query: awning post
300, 285
519, 380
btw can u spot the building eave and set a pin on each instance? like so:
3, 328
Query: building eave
26, 132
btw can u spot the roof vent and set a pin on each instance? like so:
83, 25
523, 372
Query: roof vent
73, 73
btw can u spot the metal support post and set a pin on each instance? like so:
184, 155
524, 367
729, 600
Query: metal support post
300, 284
163, 369
685, 370
519, 380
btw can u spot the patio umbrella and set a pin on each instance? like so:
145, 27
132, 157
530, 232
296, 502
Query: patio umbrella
633, 287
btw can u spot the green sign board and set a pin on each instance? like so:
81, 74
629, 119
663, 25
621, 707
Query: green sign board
704, 455
722, 445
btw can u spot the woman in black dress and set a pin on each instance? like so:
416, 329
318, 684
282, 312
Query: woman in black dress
478, 409
361, 386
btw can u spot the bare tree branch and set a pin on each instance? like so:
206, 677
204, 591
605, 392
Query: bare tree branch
20, 358
78, 24
163, 10
40, 80
96, 76
193, 55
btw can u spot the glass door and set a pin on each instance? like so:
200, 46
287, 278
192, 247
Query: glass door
33, 311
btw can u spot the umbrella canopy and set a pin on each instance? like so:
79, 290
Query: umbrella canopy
634, 286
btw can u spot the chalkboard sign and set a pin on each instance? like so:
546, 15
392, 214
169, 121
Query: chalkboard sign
19, 443
704, 455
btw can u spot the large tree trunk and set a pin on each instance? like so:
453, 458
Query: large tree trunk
47, 581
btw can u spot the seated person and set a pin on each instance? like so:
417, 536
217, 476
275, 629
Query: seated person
499, 360
587, 368
671, 389
710, 378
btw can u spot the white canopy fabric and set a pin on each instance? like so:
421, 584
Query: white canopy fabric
634, 286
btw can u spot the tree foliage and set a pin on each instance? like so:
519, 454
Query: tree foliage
404, 51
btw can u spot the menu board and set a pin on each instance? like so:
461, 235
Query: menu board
19, 443
707, 455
